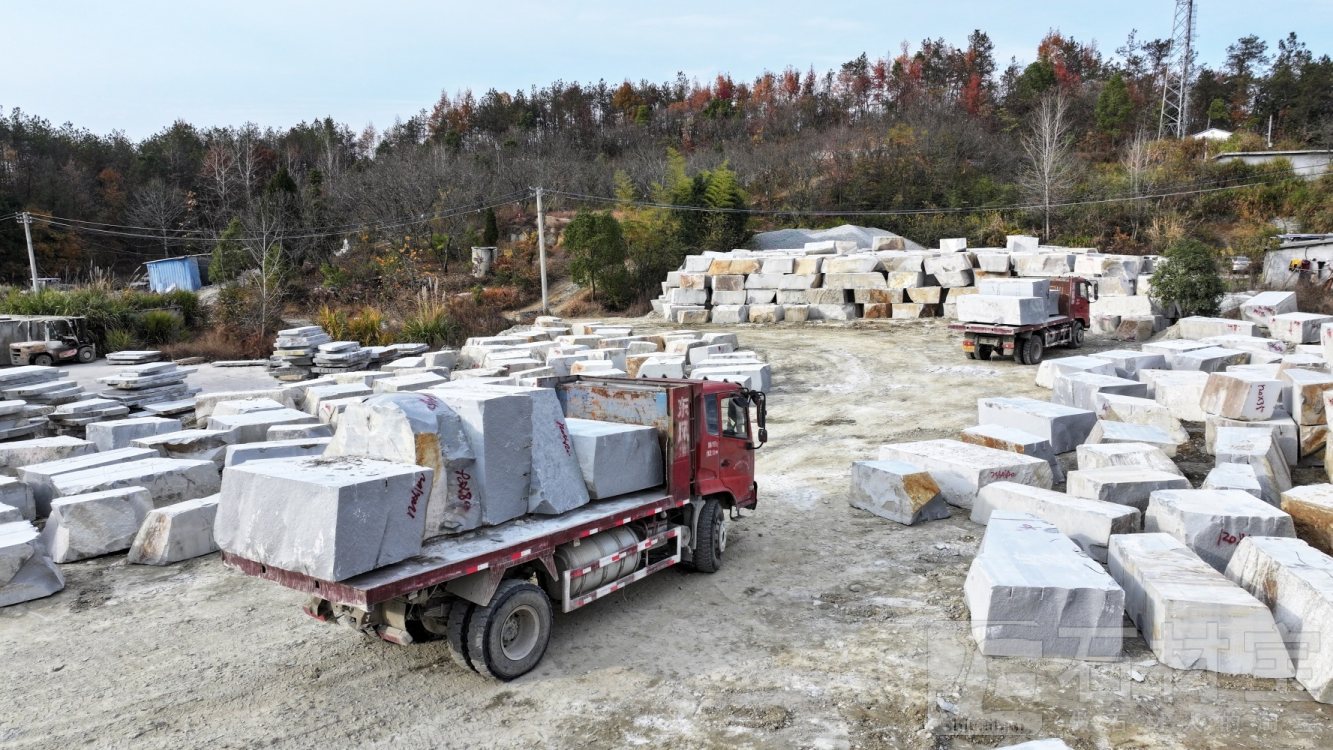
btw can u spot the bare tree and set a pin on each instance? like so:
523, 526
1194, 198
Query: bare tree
1137, 161
265, 226
1049, 148
160, 206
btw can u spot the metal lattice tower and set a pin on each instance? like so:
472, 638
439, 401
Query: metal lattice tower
1176, 81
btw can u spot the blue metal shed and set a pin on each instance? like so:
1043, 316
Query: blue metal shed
174, 273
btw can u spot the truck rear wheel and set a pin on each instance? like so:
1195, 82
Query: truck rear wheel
984, 351
1033, 350
460, 614
508, 637
710, 537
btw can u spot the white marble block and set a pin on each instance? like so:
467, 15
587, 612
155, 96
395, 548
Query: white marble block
1212, 522
1065, 427
1089, 523
1123, 485
1080, 389
1050, 369
962, 469
1114, 407
1241, 395
1125, 454
175, 533
1257, 447
96, 523
897, 491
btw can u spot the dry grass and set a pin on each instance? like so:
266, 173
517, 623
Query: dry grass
215, 345
1313, 298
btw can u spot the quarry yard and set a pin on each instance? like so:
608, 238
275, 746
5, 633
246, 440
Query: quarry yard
827, 627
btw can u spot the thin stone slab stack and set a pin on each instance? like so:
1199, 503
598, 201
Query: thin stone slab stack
333, 357
294, 352
1192, 616
1033, 593
133, 357
38, 385
141, 385
17, 421
73, 418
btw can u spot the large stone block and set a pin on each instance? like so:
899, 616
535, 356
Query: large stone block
833, 312
1169, 348
1306, 394
500, 479
17, 495
314, 397
168, 480
95, 523
1080, 389
1140, 411
1064, 426
1128, 362
20, 453
912, 311
1191, 616
1015, 440
1197, 327
298, 432
271, 449
1298, 327
1212, 522
766, 313
1211, 359
245, 406
1033, 593
1002, 310
1284, 429
1241, 395
962, 469
39, 477
1179, 391
905, 279
1050, 369
1015, 287
1311, 510
897, 491
1261, 308
1257, 447
1233, 477
176, 532
1089, 523
756, 376
843, 264
1296, 583
120, 433
1125, 454
925, 295
253, 427
616, 459
292, 397
1123, 485
1107, 431
329, 518
203, 445
26, 571
855, 281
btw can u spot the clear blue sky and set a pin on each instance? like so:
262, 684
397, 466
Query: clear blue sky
136, 65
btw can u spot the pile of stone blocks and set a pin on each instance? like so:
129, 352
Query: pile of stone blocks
1088, 522
141, 385
133, 357
294, 352
73, 418
38, 385
1033, 593
18, 420
332, 357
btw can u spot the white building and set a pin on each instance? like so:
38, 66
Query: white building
1310, 165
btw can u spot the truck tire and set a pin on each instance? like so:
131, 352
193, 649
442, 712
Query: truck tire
710, 541
508, 637
984, 352
460, 615
87, 354
45, 360
1033, 350
1020, 351
1076, 336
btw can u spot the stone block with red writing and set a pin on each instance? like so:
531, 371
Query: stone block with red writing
330, 518
1241, 395
962, 469
1212, 522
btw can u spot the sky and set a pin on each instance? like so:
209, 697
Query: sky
137, 65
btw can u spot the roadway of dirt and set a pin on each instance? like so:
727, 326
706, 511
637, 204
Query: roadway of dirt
827, 628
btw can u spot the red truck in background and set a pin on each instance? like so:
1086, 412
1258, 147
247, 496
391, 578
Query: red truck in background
1028, 344
489, 592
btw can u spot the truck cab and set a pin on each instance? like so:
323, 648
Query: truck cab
728, 438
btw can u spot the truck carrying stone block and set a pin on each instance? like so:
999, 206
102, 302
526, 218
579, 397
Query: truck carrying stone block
1002, 310
1014, 287
1233, 477
1211, 359
1140, 411
330, 518
175, 533
616, 458
1295, 581
1015, 440
1192, 616
1311, 511
1106, 431
1125, 454
1123, 485
1050, 369
1080, 389
1241, 395
1033, 593
1261, 308
1064, 426
18, 496
168, 480
1197, 327
26, 570
1256, 447
121, 433
95, 523
1089, 523
1128, 362
20, 453
1181, 392
1212, 522
897, 491
1298, 327
962, 469
271, 449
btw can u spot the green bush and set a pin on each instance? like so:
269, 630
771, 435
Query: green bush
1189, 279
104, 310
119, 340
160, 327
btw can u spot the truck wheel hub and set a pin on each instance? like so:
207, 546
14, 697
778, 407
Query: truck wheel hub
722, 535
518, 635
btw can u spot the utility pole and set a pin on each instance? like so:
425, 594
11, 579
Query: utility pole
26, 220
541, 248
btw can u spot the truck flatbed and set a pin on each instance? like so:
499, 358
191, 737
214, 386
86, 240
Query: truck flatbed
452, 557
1001, 329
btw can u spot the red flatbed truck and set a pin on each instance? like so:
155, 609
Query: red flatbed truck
489, 592
1028, 344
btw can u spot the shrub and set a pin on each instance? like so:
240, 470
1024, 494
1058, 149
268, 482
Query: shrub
104, 310
1189, 279
119, 340
428, 324
333, 321
367, 327
160, 327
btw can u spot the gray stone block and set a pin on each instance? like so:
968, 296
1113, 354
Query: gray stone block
1212, 522
1212, 359
252, 427
1049, 369
271, 449
177, 532
1064, 426
962, 469
499, 480
39, 477
17, 495
1099, 456
298, 432
1124, 432
1089, 523
1233, 477
616, 458
1257, 447
1128, 362
95, 523
1015, 440
897, 491
330, 518
26, 571
1191, 616
20, 453
1123, 485
202, 445
168, 480
120, 433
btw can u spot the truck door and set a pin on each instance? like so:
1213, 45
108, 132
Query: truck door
736, 465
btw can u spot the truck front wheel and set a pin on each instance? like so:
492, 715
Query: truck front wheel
508, 637
710, 537
1076, 336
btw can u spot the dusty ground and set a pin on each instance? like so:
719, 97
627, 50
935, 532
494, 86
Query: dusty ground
826, 628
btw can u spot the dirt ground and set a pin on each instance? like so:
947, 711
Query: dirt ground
826, 628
